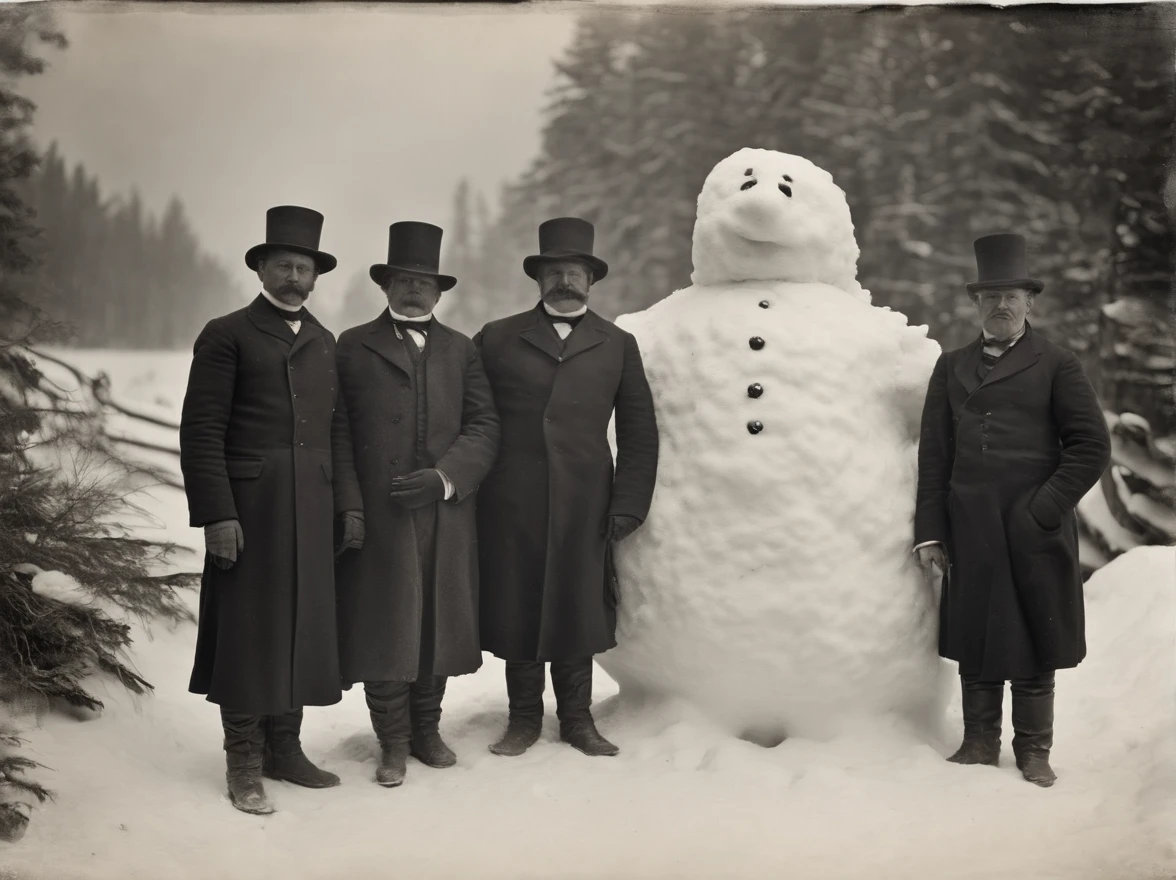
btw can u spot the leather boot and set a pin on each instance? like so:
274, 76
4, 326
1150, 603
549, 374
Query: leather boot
1033, 716
572, 682
244, 746
425, 697
388, 705
284, 758
524, 687
982, 705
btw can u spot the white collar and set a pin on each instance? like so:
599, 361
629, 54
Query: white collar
277, 303
556, 314
419, 319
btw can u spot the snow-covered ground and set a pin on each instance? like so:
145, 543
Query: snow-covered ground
140, 789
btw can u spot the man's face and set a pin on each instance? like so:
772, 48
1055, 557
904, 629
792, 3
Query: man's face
1002, 312
564, 284
287, 276
411, 294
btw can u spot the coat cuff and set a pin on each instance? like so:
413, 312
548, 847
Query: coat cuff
449, 490
927, 544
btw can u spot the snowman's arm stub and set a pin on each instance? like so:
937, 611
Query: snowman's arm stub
635, 426
916, 362
936, 452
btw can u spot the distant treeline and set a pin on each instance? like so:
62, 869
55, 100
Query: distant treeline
940, 124
119, 276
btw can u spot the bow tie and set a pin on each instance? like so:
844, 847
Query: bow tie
299, 315
418, 326
565, 319
999, 345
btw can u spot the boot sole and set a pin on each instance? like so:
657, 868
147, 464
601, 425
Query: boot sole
593, 754
390, 784
252, 811
436, 765
507, 754
305, 783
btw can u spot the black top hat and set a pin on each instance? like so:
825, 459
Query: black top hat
566, 238
413, 247
291, 228
1001, 263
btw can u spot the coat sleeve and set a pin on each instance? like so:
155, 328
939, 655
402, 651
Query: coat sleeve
204, 422
345, 481
637, 439
467, 462
936, 452
1086, 443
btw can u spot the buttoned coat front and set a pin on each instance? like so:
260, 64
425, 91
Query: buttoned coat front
379, 436
1003, 461
543, 510
255, 446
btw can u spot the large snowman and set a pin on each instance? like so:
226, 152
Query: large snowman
773, 584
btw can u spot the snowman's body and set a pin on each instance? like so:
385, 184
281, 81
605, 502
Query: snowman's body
773, 582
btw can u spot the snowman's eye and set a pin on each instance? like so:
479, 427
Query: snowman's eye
748, 173
787, 178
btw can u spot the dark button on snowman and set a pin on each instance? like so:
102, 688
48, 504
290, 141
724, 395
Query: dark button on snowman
771, 584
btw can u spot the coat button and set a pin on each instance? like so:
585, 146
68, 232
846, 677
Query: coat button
755, 390
559, 360
395, 461
755, 427
756, 343
764, 304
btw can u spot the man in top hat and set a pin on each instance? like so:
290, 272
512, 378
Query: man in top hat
1012, 437
554, 504
255, 450
417, 433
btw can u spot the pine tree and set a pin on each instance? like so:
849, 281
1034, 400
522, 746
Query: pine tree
61, 493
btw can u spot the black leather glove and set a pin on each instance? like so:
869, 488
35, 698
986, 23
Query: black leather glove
353, 531
620, 526
224, 541
418, 489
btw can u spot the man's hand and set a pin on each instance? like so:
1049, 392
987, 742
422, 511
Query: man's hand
224, 541
932, 556
353, 532
418, 489
620, 526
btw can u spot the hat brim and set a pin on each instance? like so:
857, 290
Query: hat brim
1030, 284
324, 262
532, 263
379, 273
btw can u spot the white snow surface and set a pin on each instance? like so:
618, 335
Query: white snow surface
773, 583
764, 215
140, 789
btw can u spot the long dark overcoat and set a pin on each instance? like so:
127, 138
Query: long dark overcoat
255, 446
1012, 605
543, 511
379, 587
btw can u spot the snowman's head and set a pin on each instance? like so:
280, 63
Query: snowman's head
768, 216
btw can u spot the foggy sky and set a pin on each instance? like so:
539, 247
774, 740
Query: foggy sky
367, 114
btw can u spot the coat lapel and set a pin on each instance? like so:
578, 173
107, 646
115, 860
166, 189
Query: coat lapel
262, 314
588, 334
540, 335
1020, 357
382, 339
967, 366
309, 330
438, 340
